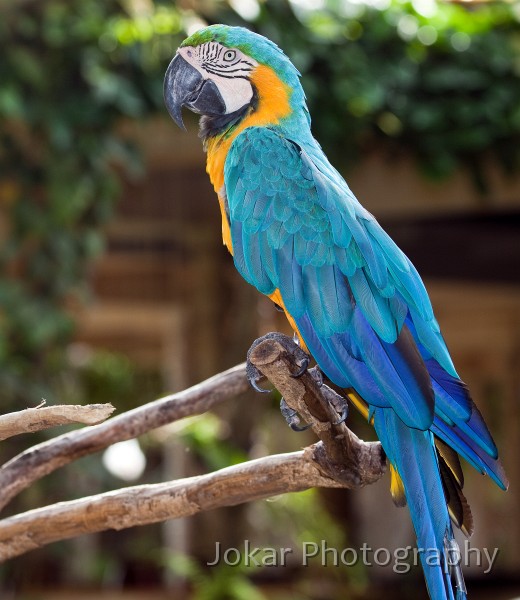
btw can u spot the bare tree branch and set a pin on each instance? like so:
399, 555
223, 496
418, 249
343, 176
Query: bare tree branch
145, 504
36, 419
40, 460
340, 459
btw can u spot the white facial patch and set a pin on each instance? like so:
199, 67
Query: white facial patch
228, 68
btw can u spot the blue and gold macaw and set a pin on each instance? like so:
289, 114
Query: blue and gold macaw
299, 235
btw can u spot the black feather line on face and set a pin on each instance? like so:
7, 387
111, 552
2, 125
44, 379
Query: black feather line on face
211, 60
213, 126
226, 74
211, 51
223, 68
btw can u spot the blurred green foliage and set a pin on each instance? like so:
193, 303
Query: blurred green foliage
69, 71
208, 438
221, 583
439, 81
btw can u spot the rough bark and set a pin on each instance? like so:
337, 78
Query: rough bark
340, 459
145, 504
38, 461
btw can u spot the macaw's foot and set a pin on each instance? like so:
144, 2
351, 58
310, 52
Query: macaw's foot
338, 402
301, 362
301, 358
291, 417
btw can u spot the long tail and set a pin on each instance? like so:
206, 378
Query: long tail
412, 454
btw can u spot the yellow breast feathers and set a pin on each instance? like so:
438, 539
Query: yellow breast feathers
273, 105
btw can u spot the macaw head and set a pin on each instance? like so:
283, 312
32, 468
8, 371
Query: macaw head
224, 73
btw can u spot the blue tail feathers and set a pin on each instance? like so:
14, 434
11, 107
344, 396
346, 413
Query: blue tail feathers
412, 452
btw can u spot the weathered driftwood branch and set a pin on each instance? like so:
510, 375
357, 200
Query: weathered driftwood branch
36, 419
145, 504
340, 459
38, 461
343, 456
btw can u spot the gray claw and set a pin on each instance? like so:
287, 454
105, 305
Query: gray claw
339, 403
253, 383
291, 417
303, 367
254, 376
343, 417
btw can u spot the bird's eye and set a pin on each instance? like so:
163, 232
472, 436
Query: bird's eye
229, 55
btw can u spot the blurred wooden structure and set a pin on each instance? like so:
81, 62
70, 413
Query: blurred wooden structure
167, 295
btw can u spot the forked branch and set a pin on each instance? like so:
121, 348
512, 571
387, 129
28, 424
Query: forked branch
343, 456
340, 459
38, 461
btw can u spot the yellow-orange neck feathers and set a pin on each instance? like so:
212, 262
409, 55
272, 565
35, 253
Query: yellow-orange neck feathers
273, 105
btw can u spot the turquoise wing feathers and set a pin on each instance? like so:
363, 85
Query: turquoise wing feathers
297, 228
359, 303
281, 197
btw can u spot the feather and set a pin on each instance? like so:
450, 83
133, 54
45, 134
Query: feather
348, 260
476, 456
451, 460
412, 454
254, 263
388, 247
451, 393
341, 233
427, 334
406, 390
317, 348
312, 299
397, 487
290, 279
266, 254
375, 308
458, 506
338, 350
335, 298
375, 262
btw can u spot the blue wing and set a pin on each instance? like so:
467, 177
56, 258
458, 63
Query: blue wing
357, 300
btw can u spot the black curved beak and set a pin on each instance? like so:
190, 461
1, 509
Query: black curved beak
185, 86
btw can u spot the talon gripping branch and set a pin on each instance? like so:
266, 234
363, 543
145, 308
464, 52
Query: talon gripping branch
299, 235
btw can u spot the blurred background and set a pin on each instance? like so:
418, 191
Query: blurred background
115, 286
